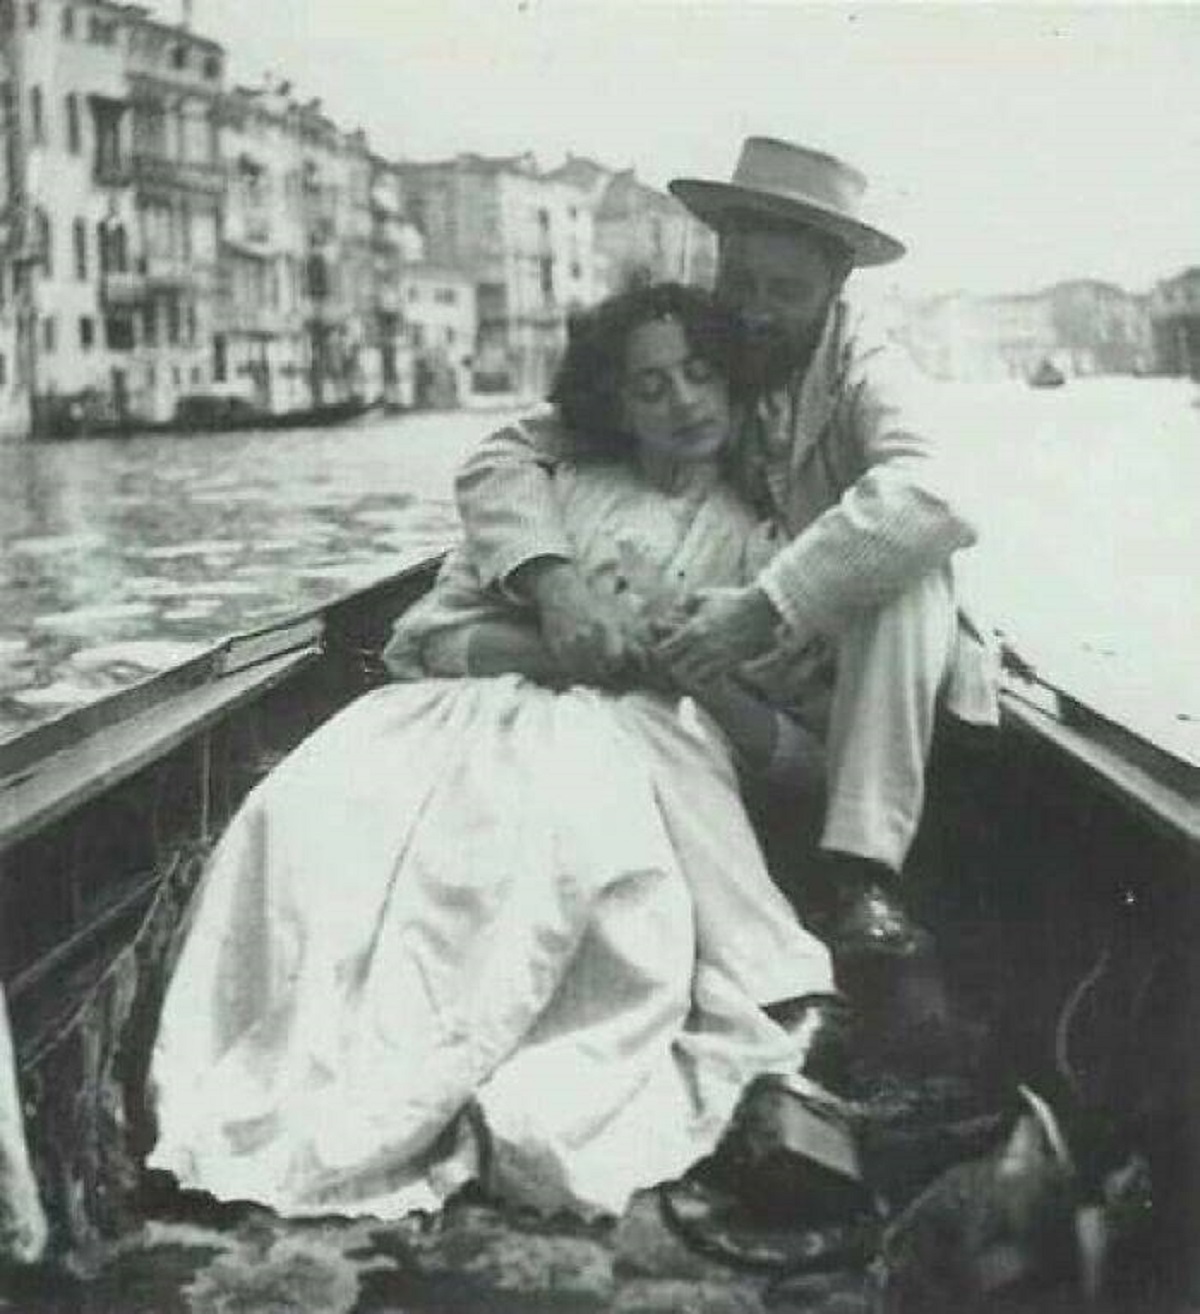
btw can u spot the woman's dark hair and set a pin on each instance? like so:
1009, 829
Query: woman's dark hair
587, 387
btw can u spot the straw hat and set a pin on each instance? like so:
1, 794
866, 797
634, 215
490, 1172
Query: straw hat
788, 183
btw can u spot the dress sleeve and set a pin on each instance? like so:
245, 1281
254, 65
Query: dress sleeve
507, 501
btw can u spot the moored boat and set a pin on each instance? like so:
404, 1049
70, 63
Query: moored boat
200, 413
1047, 375
1062, 842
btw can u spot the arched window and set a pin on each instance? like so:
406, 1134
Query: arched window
36, 121
119, 249
81, 251
44, 237
74, 126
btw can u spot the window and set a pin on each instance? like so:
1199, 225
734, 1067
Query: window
173, 321
102, 253
36, 123
212, 67
3, 370
68, 22
31, 14
74, 127
150, 324
45, 242
118, 333
445, 296
179, 57
49, 335
87, 331
81, 251
220, 358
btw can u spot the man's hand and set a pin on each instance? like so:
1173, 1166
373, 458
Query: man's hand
586, 633
725, 627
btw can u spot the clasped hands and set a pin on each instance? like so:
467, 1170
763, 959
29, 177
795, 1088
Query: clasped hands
692, 647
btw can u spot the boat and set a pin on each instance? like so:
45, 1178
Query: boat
1047, 375
1060, 849
91, 415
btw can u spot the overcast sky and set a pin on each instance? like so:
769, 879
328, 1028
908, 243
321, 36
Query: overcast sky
1010, 144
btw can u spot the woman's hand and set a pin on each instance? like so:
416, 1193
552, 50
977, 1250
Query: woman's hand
722, 629
587, 634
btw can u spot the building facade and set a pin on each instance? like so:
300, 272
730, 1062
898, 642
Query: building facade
114, 191
641, 234
1175, 321
1082, 327
526, 241
440, 320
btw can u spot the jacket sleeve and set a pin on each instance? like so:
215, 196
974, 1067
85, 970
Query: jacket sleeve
506, 498
897, 514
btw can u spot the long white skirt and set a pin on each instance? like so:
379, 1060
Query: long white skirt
549, 903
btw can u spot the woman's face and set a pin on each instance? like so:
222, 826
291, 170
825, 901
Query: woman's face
674, 402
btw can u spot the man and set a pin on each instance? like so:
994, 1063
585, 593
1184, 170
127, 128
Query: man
869, 522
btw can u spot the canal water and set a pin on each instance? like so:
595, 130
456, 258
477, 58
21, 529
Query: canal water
120, 557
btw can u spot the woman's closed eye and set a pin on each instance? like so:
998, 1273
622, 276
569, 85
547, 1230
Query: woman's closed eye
653, 385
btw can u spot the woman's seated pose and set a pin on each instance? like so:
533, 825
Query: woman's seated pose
476, 926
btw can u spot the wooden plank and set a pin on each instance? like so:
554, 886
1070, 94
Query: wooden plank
1163, 790
78, 725
45, 790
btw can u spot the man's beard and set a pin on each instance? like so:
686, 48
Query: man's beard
772, 356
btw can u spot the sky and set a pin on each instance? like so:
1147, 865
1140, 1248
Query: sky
1010, 145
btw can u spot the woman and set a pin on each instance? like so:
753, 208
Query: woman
544, 907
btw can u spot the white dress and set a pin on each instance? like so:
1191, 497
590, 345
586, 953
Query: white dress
549, 907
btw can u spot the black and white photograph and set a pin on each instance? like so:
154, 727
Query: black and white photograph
599, 657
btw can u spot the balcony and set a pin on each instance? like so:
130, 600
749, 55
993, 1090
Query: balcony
181, 175
123, 289
173, 271
255, 321
113, 171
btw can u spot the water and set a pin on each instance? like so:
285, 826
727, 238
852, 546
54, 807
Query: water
118, 558
121, 557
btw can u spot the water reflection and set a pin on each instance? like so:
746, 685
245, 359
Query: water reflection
118, 558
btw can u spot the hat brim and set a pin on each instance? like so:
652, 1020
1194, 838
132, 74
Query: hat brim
714, 202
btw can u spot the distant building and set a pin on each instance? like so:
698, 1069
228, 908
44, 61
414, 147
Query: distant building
641, 234
259, 341
334, 188
1082, 327
395, 247
1175, 320
440, 321
1100, 328
115, 183
526, 240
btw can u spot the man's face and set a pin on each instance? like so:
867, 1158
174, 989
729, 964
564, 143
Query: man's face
780, 286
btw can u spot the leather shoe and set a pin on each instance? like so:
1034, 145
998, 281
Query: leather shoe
870, 922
